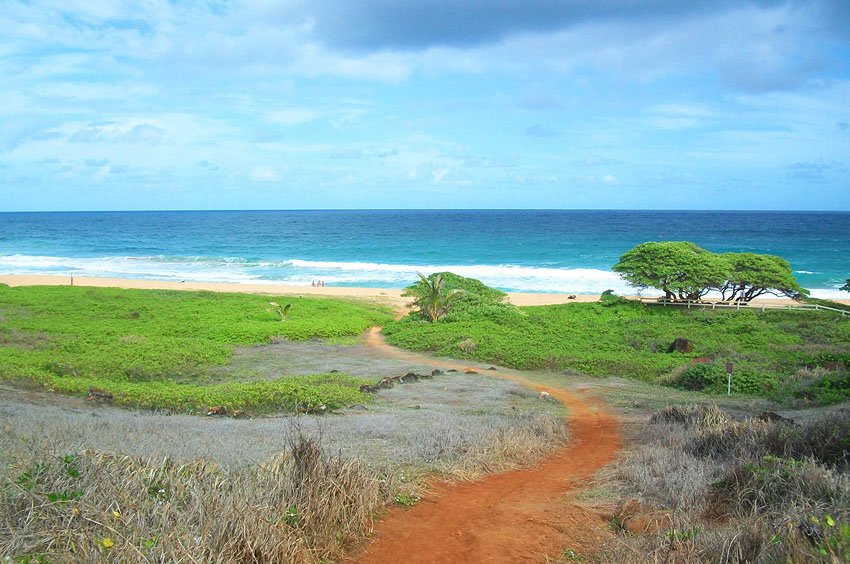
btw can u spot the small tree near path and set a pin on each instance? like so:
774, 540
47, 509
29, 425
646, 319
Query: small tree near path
431, 297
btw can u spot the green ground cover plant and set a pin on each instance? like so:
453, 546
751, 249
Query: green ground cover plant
625, 338
154, 349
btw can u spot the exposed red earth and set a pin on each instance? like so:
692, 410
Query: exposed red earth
516, 516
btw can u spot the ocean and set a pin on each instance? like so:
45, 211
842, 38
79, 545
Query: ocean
515, 250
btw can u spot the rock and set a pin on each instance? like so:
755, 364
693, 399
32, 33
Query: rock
492, 368
358, 406
334, 371
451, 370
638, 518
700, 360
99, 396
135, 315
409, 377
219, 410
571, 297
385, 384
470, 371
437, 372
774, 417
681, 345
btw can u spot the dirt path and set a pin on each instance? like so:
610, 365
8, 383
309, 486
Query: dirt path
517, 516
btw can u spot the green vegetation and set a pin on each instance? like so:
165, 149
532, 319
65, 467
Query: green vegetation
686, 272
846, 286
774, 352
681, 270
154, 349
432, 296
282, 311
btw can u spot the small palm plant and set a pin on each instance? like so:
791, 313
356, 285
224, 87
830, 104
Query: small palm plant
431, 296
282, 311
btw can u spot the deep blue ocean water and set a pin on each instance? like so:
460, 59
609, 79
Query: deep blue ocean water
519, 250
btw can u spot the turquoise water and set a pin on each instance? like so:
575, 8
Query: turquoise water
519, 250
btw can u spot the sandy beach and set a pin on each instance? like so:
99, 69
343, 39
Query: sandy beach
389, 296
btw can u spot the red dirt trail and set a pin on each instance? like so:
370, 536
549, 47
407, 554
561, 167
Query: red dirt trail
515, 516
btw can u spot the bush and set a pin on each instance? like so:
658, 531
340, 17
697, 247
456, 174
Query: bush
825, 440
739, 491
781, 486
694, 415
824, 388
712, 378
699, 377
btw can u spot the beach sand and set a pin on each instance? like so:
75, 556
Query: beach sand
388, 296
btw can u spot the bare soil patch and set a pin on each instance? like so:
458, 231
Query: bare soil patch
516, 516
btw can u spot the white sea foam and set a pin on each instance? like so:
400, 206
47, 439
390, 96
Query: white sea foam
303, 272
150, 268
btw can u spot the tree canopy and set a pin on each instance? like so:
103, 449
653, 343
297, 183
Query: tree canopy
684, 271
752, 275
846, 286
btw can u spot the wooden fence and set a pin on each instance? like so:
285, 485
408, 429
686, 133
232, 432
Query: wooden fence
745, 306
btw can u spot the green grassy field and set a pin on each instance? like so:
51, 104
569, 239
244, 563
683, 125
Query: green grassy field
776, 353
154, 349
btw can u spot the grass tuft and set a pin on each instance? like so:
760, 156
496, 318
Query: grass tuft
301, 506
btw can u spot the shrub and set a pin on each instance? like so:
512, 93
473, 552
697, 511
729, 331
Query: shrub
781, 486
823, 387
694, 415
712, 378
826, 440
699, 377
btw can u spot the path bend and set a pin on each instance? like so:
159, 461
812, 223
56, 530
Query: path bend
515, 516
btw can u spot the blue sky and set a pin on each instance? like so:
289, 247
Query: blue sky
670, 104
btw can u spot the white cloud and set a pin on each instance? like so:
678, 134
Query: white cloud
439, 175
292, 116
121, 132
264, 174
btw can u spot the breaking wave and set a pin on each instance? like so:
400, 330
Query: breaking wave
241, 270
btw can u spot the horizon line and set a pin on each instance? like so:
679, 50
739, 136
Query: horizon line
187, 210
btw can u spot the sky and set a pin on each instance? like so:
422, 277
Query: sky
323, 104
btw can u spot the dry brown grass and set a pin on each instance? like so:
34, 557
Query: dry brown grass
164, 503
305, 506
738, 491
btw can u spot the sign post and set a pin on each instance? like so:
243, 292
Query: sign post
728, 378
